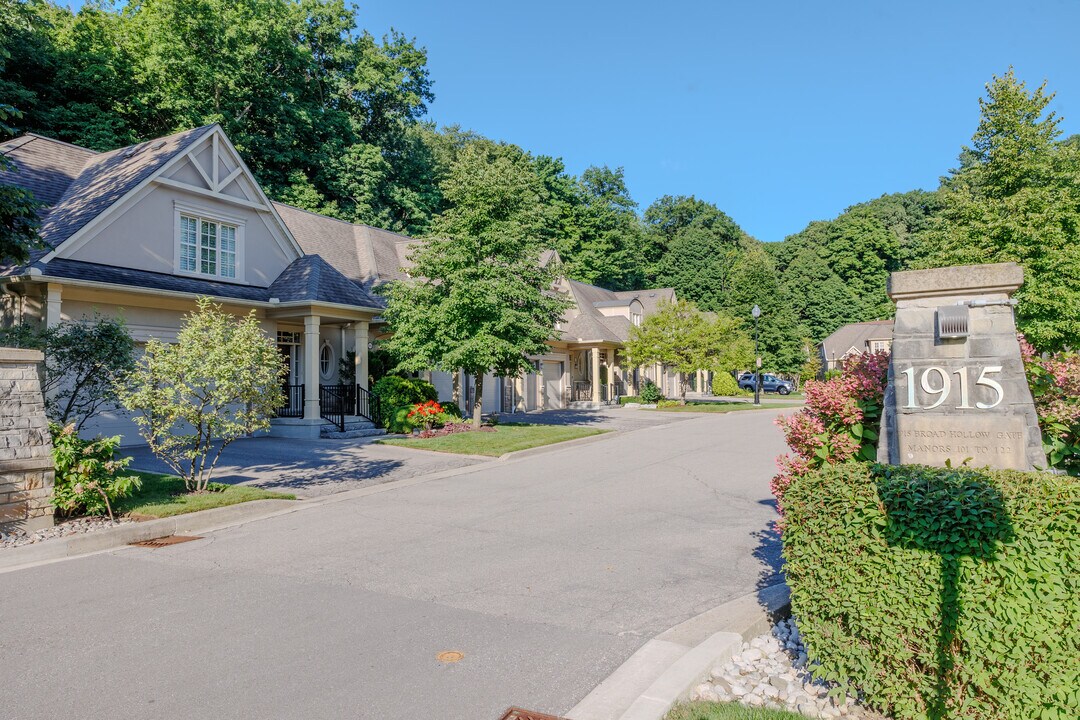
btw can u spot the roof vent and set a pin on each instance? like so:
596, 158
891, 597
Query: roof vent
129, 152
158, 145
952, 322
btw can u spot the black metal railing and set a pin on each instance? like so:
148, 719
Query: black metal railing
294, 402
333, 405
366, 404
582, 391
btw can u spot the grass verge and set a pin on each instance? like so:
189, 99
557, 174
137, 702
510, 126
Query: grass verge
508, 437
165, 495
726, 711
723, 407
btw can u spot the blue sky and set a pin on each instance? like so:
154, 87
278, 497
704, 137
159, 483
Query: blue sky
779, 112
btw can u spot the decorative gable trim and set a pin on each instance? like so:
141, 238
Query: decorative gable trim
219, 144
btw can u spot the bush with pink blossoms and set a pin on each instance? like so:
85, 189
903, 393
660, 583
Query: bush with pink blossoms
1055, 387
840, 422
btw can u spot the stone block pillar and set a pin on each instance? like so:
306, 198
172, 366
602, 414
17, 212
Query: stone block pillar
26, 463
957, 389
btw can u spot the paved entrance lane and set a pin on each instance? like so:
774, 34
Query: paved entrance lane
547, 572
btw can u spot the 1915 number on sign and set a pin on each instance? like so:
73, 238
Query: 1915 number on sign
938, 381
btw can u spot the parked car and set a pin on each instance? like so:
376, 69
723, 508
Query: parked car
769, 383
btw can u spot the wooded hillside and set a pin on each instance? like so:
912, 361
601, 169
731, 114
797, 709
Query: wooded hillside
332, 119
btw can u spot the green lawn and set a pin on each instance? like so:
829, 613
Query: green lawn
508, 437
723, 407
164, 495
726, 711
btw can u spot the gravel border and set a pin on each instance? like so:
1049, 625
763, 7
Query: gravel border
771, 671
67, 528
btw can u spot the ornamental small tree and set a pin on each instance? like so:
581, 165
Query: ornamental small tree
219, 381
687, 341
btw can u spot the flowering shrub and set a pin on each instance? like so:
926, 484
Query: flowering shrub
427, 414
840, 421
1055, 387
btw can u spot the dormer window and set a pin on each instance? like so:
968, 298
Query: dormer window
208, 246
635, 318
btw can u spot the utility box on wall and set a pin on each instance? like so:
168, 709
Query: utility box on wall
26, 462
957, 390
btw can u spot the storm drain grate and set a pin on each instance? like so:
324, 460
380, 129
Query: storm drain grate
165, 541
516, 713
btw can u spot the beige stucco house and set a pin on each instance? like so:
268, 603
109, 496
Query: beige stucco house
855, 339
143, 231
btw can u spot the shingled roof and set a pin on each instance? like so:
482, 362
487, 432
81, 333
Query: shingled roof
857, 336
312, 278
366, 254
73, 198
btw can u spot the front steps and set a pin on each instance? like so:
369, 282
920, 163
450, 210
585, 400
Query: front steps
355, 427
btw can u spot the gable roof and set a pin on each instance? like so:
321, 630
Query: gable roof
589, 328
650, 299
855, 335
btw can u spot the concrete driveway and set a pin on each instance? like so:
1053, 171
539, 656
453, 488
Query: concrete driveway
314, 468
547, 572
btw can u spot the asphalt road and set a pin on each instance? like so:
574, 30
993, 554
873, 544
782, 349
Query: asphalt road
545, 572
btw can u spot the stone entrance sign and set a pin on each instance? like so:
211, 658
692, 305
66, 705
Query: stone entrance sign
957, 390
26, 464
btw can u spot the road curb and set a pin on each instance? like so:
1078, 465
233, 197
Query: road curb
112, 538
665, 669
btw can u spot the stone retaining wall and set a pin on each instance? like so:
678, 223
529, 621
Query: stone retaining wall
26, 464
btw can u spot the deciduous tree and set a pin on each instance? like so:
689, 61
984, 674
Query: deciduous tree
220, 380
478, 300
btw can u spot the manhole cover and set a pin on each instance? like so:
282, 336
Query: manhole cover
165, 541
449, 656
516, 713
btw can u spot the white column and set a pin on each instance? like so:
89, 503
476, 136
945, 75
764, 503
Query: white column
52, 307
595, 375
615, 377
360, 348
311, 367
519, 393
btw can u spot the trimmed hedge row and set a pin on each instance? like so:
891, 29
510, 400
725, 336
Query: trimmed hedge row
940, 593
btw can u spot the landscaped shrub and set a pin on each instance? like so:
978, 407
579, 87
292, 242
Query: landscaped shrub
840, 421
627, 399
398, 420
397, 392
939, 593
428, 414
726, 385
89, 476
1055, 386
650, 393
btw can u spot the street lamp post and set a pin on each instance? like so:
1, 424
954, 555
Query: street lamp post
756, 312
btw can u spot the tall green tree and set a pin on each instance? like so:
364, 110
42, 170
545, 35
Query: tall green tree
670, 215
18, 209
754, 282
819, 298
698, 262
1016, 197
478, 300
605, 241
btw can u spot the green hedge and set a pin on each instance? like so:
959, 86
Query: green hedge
940, 593
725, 385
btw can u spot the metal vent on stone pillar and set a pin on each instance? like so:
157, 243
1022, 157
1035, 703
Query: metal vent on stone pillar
952, 322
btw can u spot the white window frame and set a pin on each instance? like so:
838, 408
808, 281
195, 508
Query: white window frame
331, 363
202, 214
